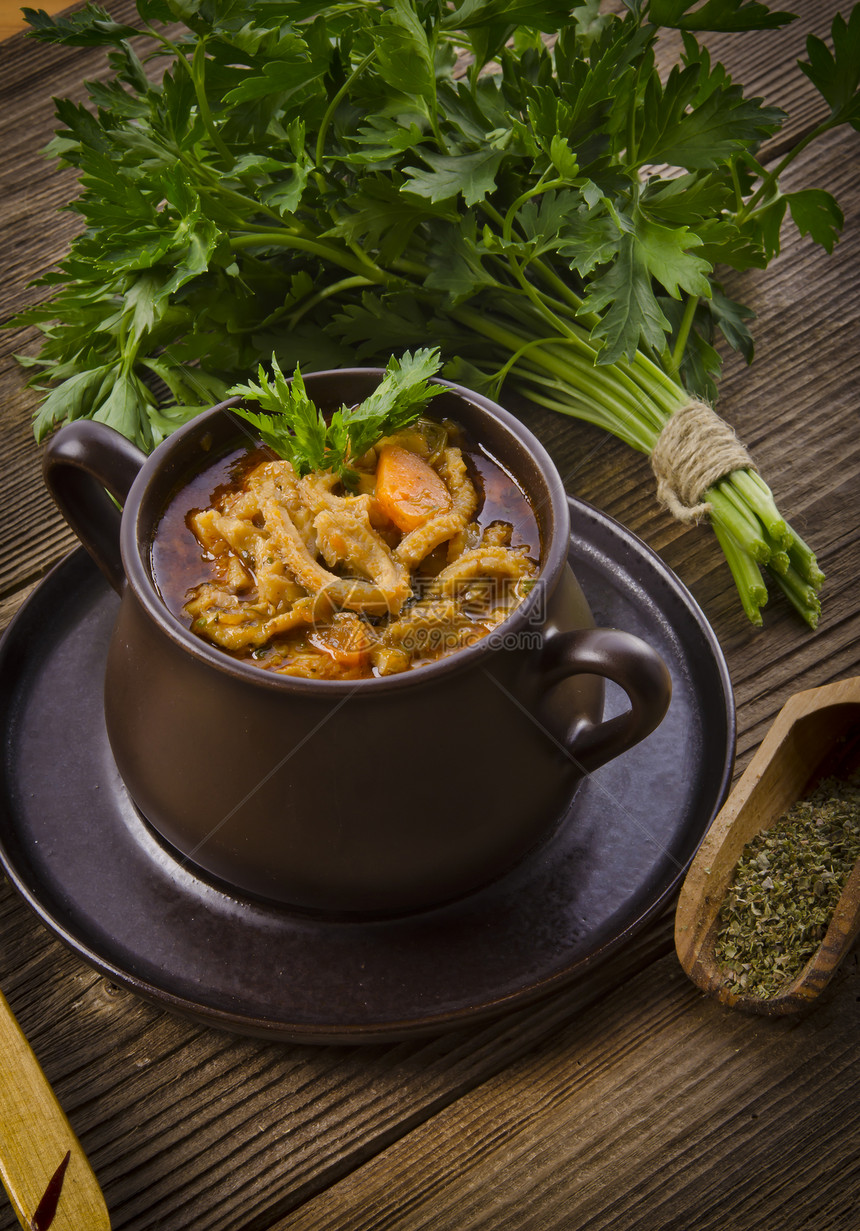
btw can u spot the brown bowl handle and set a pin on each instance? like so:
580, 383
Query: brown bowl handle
82, 463
628, 662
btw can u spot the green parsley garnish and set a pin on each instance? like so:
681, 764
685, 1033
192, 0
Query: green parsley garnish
297, 430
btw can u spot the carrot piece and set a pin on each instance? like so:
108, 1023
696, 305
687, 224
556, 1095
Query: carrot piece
347, 640
408, 491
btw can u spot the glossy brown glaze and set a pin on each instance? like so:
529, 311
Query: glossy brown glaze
317, 792
99, 877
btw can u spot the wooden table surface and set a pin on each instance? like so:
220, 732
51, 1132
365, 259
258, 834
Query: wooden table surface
625, 1101
11, 18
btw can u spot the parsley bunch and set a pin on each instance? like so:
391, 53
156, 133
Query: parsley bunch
333, 181
298, 432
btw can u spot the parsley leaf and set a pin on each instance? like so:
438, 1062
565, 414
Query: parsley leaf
836, 74
312, 180
816, 213
624, 290
90, 27
450, 175
699, 137
292, 426
404, 52
725, 15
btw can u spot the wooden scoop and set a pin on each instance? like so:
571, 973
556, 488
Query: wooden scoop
43, 1168
816, 735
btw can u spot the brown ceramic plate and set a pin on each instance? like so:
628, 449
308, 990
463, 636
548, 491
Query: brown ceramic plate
77, 850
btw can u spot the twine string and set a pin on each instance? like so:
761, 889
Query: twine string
695, 449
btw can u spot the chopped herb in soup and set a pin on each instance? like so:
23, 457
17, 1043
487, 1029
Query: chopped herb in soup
429, 547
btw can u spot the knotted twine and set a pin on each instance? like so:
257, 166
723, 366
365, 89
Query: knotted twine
695, 449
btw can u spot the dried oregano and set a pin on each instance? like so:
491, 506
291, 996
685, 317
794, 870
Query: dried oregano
786, 886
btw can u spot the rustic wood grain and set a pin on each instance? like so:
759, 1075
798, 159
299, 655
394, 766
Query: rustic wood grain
207, 1130
656, 1110
627, 1101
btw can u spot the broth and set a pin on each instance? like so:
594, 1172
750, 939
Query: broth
438, 612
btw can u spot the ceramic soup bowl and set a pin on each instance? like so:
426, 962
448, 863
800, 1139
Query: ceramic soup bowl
388, 794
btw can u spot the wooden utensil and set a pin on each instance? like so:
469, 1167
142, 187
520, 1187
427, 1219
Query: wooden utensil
43, 1168
815, 735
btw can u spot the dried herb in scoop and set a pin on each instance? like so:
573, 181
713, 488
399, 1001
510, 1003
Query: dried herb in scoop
786, 887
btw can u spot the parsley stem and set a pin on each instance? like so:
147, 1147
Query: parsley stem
658, 395
635, 104
577, 373
760, 498
537, 190
248, 204
771, 179
739, 196
800, 594
334, 288
539, 302
574, 389
654, 382
572, 334
744, 570
518, 354
581, 408
569, 296
683, 335
287, 238
197, 69
803, 560
325, 122
729, 511
414, 268
660, 388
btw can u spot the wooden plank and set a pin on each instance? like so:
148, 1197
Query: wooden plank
659, 1109
189, 1128
262, 1127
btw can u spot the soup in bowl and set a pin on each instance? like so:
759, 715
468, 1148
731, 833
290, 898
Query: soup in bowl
299, 575
360, 698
